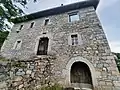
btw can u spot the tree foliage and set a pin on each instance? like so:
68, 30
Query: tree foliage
8, 9
117, 60
3, 36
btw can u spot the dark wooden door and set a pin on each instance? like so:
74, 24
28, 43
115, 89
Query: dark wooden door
43, 46
80, 73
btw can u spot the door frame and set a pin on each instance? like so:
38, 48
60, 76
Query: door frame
67, 70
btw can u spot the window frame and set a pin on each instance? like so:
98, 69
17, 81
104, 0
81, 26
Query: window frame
32, 24
71, 14
74, 39
21, 27
45, 50
49, 36
79, 36
47, 21
16, 44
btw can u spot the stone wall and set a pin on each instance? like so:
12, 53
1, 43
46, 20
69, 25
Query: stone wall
58, 31
40, 72
27, 75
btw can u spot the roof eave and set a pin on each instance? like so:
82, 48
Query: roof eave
57, 10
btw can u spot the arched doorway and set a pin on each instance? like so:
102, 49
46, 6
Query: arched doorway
80, 76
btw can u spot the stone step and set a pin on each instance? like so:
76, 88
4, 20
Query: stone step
86, 89
82, 89
77, 88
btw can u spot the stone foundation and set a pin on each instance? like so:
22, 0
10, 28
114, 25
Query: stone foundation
15, 75
38, 72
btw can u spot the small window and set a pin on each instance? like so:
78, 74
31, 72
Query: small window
74, 39
73, 17
43, 46
21, 27
17, 45
17, 31
31, 24
46, 21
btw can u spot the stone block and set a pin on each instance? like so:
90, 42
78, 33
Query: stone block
116, 88
115, 73
109, 83
3, 85
18, 78
20, 72
98, 74
110, 57
20, 86
116, 83
28, 72
102, 83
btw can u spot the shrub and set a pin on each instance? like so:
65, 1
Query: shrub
54, 87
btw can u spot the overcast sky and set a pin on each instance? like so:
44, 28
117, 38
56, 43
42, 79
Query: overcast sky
108, 12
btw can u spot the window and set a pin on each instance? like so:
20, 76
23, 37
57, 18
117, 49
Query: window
43, 46
31, 24
17, 31
46, 21
17, 45
73, 17
21, 27
74, 39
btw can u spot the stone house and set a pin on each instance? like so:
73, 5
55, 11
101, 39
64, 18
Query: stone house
74, 35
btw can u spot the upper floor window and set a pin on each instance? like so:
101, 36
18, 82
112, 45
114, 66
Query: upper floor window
73, 17
21, 26
43, 46
31, 24
74, 39
18, 44
46, 21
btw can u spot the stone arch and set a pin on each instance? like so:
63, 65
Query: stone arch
80, 59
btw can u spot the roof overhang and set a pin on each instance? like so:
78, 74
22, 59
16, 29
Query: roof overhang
57, 10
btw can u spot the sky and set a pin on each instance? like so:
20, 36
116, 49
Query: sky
108, 12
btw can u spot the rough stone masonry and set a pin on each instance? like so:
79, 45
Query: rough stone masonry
69, 39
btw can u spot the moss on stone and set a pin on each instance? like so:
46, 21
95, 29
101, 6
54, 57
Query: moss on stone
54, 87
18, 64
